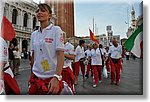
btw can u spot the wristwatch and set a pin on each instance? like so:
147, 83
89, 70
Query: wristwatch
59, 77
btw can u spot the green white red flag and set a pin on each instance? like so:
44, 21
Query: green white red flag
135, 42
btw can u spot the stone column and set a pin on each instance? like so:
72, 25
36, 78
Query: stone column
31, 20
21, 18
20, 45
28, 21
6, 10
10, 13
28, 44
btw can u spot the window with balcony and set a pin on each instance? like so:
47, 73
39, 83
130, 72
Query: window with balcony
14, 16
25, 20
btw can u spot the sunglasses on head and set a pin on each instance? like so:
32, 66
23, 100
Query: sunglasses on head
42, 10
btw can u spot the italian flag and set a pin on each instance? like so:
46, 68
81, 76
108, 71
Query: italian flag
135, 42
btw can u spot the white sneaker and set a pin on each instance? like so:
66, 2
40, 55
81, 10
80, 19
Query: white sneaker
94, 85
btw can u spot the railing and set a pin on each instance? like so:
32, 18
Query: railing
21, 28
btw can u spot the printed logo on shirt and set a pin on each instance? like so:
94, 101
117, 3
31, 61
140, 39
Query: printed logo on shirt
5, 51
48, 40
61, 39
66, 50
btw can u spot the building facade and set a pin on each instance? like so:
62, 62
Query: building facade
22, 16
135, 22
109, 32
63, 12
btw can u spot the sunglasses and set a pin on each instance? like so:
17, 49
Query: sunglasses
42, 10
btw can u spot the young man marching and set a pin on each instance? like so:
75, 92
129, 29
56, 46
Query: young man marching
80, 57
67, 72
115, 52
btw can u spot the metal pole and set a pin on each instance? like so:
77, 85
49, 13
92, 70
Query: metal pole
93, 25
127, 17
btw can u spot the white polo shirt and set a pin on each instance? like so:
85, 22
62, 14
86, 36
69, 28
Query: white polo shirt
3, 59
103, 50
45, 45
96, 57
79, 53
106, 54
4, 52
88, 53
115, 51
127, 53
68, 49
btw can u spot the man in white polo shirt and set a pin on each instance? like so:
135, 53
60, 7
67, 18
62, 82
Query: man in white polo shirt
67, 72
80, 57
115, 52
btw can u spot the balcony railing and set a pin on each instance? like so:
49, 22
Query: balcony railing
21, 28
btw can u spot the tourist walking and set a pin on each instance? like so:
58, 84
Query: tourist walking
115, 52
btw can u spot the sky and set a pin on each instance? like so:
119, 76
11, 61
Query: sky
104, 12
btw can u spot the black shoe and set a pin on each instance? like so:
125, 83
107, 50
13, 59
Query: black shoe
17, 74
87, 76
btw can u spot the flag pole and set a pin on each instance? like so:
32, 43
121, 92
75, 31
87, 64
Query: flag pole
93, 25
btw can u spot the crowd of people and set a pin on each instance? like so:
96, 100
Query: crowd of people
55, 63
96, 59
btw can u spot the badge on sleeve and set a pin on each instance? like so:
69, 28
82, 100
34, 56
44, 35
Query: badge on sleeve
61, 38
45, 65
5, 51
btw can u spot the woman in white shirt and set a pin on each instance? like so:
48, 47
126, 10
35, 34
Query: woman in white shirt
47, 46
96, 64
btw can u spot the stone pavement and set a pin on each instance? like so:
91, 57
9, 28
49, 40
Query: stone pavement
131, 81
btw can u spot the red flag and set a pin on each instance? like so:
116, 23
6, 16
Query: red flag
92, 37
8, 32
